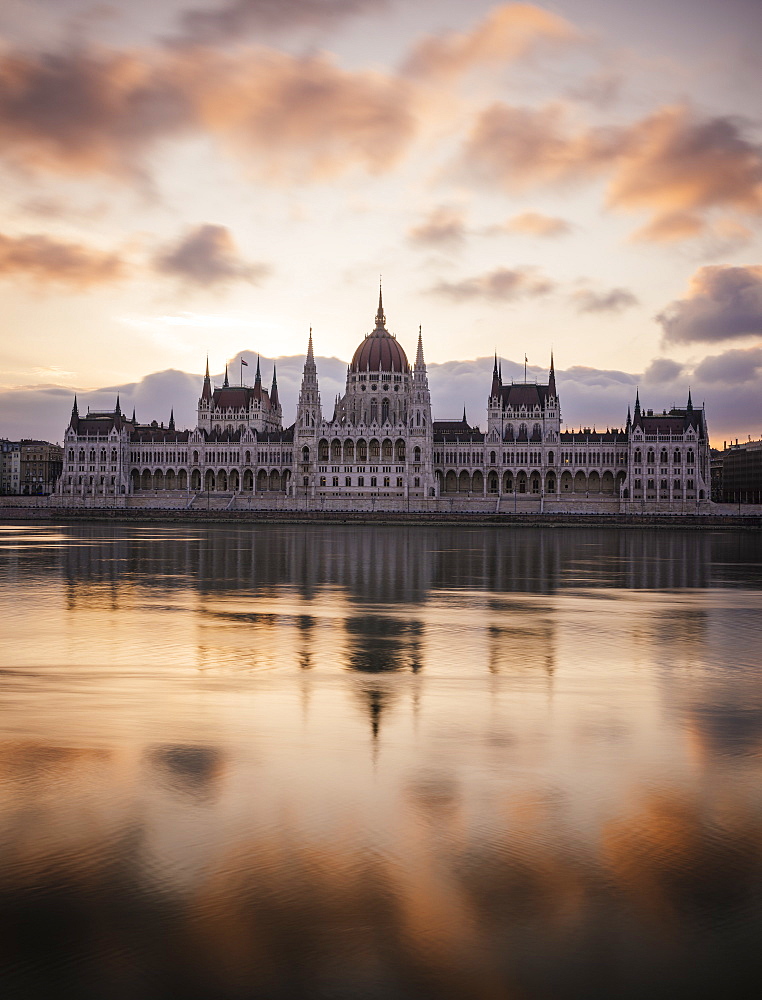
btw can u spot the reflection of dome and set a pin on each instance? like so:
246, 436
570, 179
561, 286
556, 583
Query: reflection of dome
379, 352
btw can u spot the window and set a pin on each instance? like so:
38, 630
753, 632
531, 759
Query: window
373, 481
322, 480
305, 480
335, 481
417, 481
361, 481
347, 480
399, 481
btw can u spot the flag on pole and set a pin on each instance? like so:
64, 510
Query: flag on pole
525, 359
244, 362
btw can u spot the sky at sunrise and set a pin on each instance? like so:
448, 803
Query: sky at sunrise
198, 177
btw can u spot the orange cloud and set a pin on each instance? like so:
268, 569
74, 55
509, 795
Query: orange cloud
100, 111
503, 284
672, 164
535, 224
443, 227
508, 33
207, 255
43, 260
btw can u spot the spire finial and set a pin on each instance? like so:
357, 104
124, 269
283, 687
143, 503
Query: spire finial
465, 421
310, 355
258, 378
690, 401
226, 383
117, 408
171, 426
380, 318
207, 367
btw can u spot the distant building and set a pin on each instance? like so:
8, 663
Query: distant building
381, 441
10, 467
41, 464
742, 472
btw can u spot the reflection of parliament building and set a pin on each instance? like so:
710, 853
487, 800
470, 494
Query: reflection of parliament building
382, 442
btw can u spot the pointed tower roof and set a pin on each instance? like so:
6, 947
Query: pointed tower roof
117, 408
226, 383
629, 418
310, 355
258, 377
465, 421
380, 318
552, 377
419, 362
496, 380
134, 419
274, 391
689, 407
171, 425
74, 413
206, 392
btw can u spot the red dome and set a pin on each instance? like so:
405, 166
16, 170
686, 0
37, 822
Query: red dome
379, 352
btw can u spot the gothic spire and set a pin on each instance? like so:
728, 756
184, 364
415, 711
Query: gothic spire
74, 412
258, 378
206, 391
171, 426
465, 421
310, 355
552, 376
274, 391
496, 381
419, 362
690, 401
637, 402
380, 318
207, 367
133, 416
226, 383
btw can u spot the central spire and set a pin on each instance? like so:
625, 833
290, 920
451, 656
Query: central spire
380, 318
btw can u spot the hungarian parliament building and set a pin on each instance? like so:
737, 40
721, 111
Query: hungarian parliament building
381, 441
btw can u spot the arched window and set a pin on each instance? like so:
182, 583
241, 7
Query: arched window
416, 454
638, 458
690, 459
676, 457
550, 457
664, 456
492, 459
385, 411
305, 454
651, 457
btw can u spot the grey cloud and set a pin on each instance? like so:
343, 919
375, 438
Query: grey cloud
663, 370
502, 285
734, 367
731, 385
615, 300
207, 255
723, 303
241, 18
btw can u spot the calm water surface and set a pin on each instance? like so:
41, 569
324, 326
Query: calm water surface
385, 762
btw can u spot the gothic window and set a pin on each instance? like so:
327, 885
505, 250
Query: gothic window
651, 457
347, 480
492, 458
550, 457
373, 481
677, 458
373, 411
416, 454
305, 454
361, 481
690, 459
638, 456
664, 456
385, 411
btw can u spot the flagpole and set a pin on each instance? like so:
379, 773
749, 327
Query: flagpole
525, 369
241, 371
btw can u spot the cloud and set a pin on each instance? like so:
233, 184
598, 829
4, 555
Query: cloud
42, 261
731, 385
534, 224
663, 370
673, 165
442, 227
615, 300
509, 33
104, 111
734, 367
503, 285
205, 256
239, 18
722, 303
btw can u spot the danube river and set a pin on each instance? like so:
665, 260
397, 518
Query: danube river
379, 762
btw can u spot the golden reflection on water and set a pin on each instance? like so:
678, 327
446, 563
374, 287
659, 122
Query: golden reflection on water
329, 762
